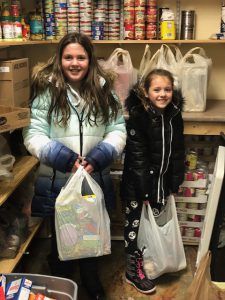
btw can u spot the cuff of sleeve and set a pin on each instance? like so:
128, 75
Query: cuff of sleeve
71, 162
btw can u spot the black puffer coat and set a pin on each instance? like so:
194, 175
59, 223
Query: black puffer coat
154, 157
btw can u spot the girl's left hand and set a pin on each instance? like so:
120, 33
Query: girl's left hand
87, 167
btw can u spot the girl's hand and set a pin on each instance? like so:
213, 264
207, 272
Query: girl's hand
76, 164
87, 167
146, 202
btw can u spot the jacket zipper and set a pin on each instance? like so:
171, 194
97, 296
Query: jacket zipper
80, 119
160, 180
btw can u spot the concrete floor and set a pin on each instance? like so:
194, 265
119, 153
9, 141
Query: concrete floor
111, 270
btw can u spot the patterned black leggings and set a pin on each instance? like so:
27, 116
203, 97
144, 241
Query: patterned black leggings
132, 221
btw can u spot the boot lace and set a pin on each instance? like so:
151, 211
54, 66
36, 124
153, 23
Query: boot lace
140, 272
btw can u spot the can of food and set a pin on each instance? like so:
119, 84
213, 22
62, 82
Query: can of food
198, 232
189, 232
202, 205
139, 15
182, 217
188, 175
188, 192
151, 31
187, 24
200, 192
181, 204
129, 31
151, 14
199, 174
139, 31
192, 205
191, 160
194, 218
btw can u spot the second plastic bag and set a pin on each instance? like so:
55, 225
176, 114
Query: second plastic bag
161, 238
82, 222
126, 75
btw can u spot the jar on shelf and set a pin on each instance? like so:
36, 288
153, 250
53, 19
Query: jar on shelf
17, 28
7, 28
36, 27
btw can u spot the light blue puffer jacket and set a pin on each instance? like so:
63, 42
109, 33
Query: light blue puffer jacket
57, 147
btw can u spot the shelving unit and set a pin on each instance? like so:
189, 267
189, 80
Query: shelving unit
105, 42
21, 169
8, 265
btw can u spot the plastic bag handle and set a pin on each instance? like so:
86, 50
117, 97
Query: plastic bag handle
200, 49
124, 54
145, 58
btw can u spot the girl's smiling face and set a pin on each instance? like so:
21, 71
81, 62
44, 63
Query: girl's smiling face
75, 63
160, 91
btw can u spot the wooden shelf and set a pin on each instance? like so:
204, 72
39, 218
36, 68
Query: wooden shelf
8, 43
22, 167
103, 42
8, 265
209, 122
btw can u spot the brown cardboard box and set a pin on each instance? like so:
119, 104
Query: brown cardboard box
13, 117
14, 82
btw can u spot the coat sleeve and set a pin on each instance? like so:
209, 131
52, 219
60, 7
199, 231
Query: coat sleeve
38, 142
136, 158
112, 145
177, 161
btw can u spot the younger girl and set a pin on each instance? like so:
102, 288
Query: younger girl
154, 161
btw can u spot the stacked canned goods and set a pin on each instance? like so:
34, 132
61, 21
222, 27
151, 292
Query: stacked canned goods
49, 19
11, 21
99, 20
114, 20
60, 8
139, 19
128, 19
36, 26
86, 16
73, 18
151, 19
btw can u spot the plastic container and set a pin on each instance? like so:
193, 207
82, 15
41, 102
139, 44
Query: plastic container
55, 287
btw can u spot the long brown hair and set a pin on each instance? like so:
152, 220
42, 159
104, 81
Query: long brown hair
99, 100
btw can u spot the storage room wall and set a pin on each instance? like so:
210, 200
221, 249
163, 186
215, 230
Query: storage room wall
208, 14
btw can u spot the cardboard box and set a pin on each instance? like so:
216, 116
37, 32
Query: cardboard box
13, 117
14, 82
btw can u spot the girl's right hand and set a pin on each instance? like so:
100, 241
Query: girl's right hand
76, 164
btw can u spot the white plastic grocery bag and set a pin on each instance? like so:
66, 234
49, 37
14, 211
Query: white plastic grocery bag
194, 70
126, 75
164, 58
161, 238
82, 223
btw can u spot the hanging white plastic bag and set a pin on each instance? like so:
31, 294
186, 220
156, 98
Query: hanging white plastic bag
194, 70
126, 75
82, 223
164, 58
161, 238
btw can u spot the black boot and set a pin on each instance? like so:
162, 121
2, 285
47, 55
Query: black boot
90, 279
135, 274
